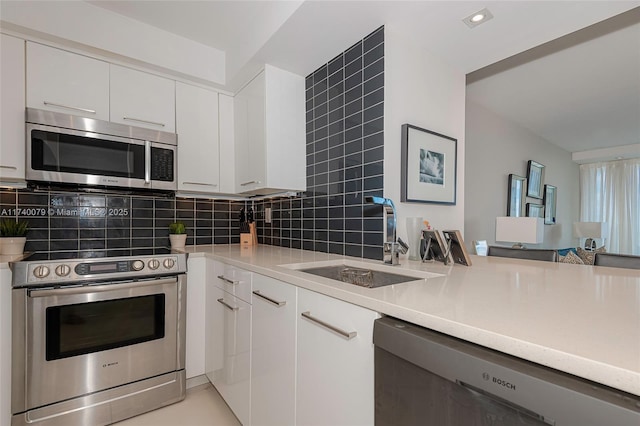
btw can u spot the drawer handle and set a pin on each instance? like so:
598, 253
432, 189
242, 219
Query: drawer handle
268, 299
8, 167
153, 123
199, 183
346, 334
223, 278
233, 308
90, 111
250, 182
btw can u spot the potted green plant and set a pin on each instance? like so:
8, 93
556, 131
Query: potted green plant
177, 235
13, 236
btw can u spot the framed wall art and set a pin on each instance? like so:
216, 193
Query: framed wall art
535, 179
535, 210
428, 166
550, 198
516, 195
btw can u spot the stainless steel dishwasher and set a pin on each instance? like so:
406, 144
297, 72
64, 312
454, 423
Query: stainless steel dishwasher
426, 378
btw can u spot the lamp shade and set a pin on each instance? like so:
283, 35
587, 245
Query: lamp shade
520, 229
589, 229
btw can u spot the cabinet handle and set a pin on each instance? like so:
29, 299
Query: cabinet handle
268, 299
154, 123
250, 182
8, 167
346, 334
90, 111
233, 308
199, 183
223, 278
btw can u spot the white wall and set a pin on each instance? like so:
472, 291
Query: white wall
497, 147
422, 90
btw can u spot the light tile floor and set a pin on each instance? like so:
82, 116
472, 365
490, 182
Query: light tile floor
203, 406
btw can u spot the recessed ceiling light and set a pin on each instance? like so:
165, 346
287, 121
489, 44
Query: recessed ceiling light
477, 18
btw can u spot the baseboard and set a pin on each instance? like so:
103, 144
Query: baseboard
197, 381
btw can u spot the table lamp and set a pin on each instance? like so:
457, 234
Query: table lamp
520, 230
590, 231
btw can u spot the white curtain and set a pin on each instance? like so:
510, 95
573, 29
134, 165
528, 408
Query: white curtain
610, 192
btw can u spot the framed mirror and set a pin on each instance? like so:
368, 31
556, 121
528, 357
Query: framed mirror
550, 204
535, 179
516, 195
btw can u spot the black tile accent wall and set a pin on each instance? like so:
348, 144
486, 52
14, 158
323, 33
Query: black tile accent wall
82, 221
345, 156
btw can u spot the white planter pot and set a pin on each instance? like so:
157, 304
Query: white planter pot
177, 240
12, 245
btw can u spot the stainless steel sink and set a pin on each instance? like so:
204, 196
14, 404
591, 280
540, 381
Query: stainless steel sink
361, 276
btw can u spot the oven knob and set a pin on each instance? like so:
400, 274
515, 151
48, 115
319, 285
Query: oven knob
62, 270
154, 264
137, 265
41, 271
168, 263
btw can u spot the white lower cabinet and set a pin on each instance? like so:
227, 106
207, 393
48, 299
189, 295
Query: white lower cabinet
5, 346
334, 372
228, 346
273, 352
196, 308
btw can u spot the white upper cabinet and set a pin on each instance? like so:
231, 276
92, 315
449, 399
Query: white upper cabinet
12, 136
269, 134
198, 143
65, 82
142, 100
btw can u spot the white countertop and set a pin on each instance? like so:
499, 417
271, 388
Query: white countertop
584, 320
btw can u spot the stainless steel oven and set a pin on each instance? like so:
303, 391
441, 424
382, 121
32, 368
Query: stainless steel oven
75, 150
97, 340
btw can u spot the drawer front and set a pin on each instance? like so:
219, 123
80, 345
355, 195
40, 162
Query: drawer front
234, 280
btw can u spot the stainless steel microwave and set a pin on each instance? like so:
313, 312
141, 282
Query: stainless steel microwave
83, 151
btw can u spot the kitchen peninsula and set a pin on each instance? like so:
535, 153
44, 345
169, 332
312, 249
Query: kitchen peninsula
583, 320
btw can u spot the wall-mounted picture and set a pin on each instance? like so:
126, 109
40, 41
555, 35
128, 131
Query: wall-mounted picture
516, 195
428, 166
535, 210
535, 179
550, 197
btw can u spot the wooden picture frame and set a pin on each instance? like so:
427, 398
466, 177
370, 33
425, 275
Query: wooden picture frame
457, 250
428, 168
535, 179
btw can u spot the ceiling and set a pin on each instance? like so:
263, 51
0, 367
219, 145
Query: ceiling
581, 98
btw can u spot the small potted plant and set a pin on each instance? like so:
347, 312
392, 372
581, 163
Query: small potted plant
13, 236
177, 235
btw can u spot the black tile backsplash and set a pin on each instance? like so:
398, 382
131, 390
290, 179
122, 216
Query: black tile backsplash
345, 156
79, 221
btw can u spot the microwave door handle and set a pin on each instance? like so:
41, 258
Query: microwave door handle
147, 162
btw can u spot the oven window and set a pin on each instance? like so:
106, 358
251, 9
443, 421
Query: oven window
97, 326
57, 152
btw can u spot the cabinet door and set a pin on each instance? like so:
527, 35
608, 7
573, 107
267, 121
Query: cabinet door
228, 345
273, 352
12, 136
334, 373
5, 344
65, 82
195, 334
249, 123
227, 144
142, 100
198, 145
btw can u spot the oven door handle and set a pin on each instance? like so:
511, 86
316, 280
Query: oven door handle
66, 291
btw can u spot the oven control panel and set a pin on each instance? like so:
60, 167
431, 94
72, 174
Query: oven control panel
70, 270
